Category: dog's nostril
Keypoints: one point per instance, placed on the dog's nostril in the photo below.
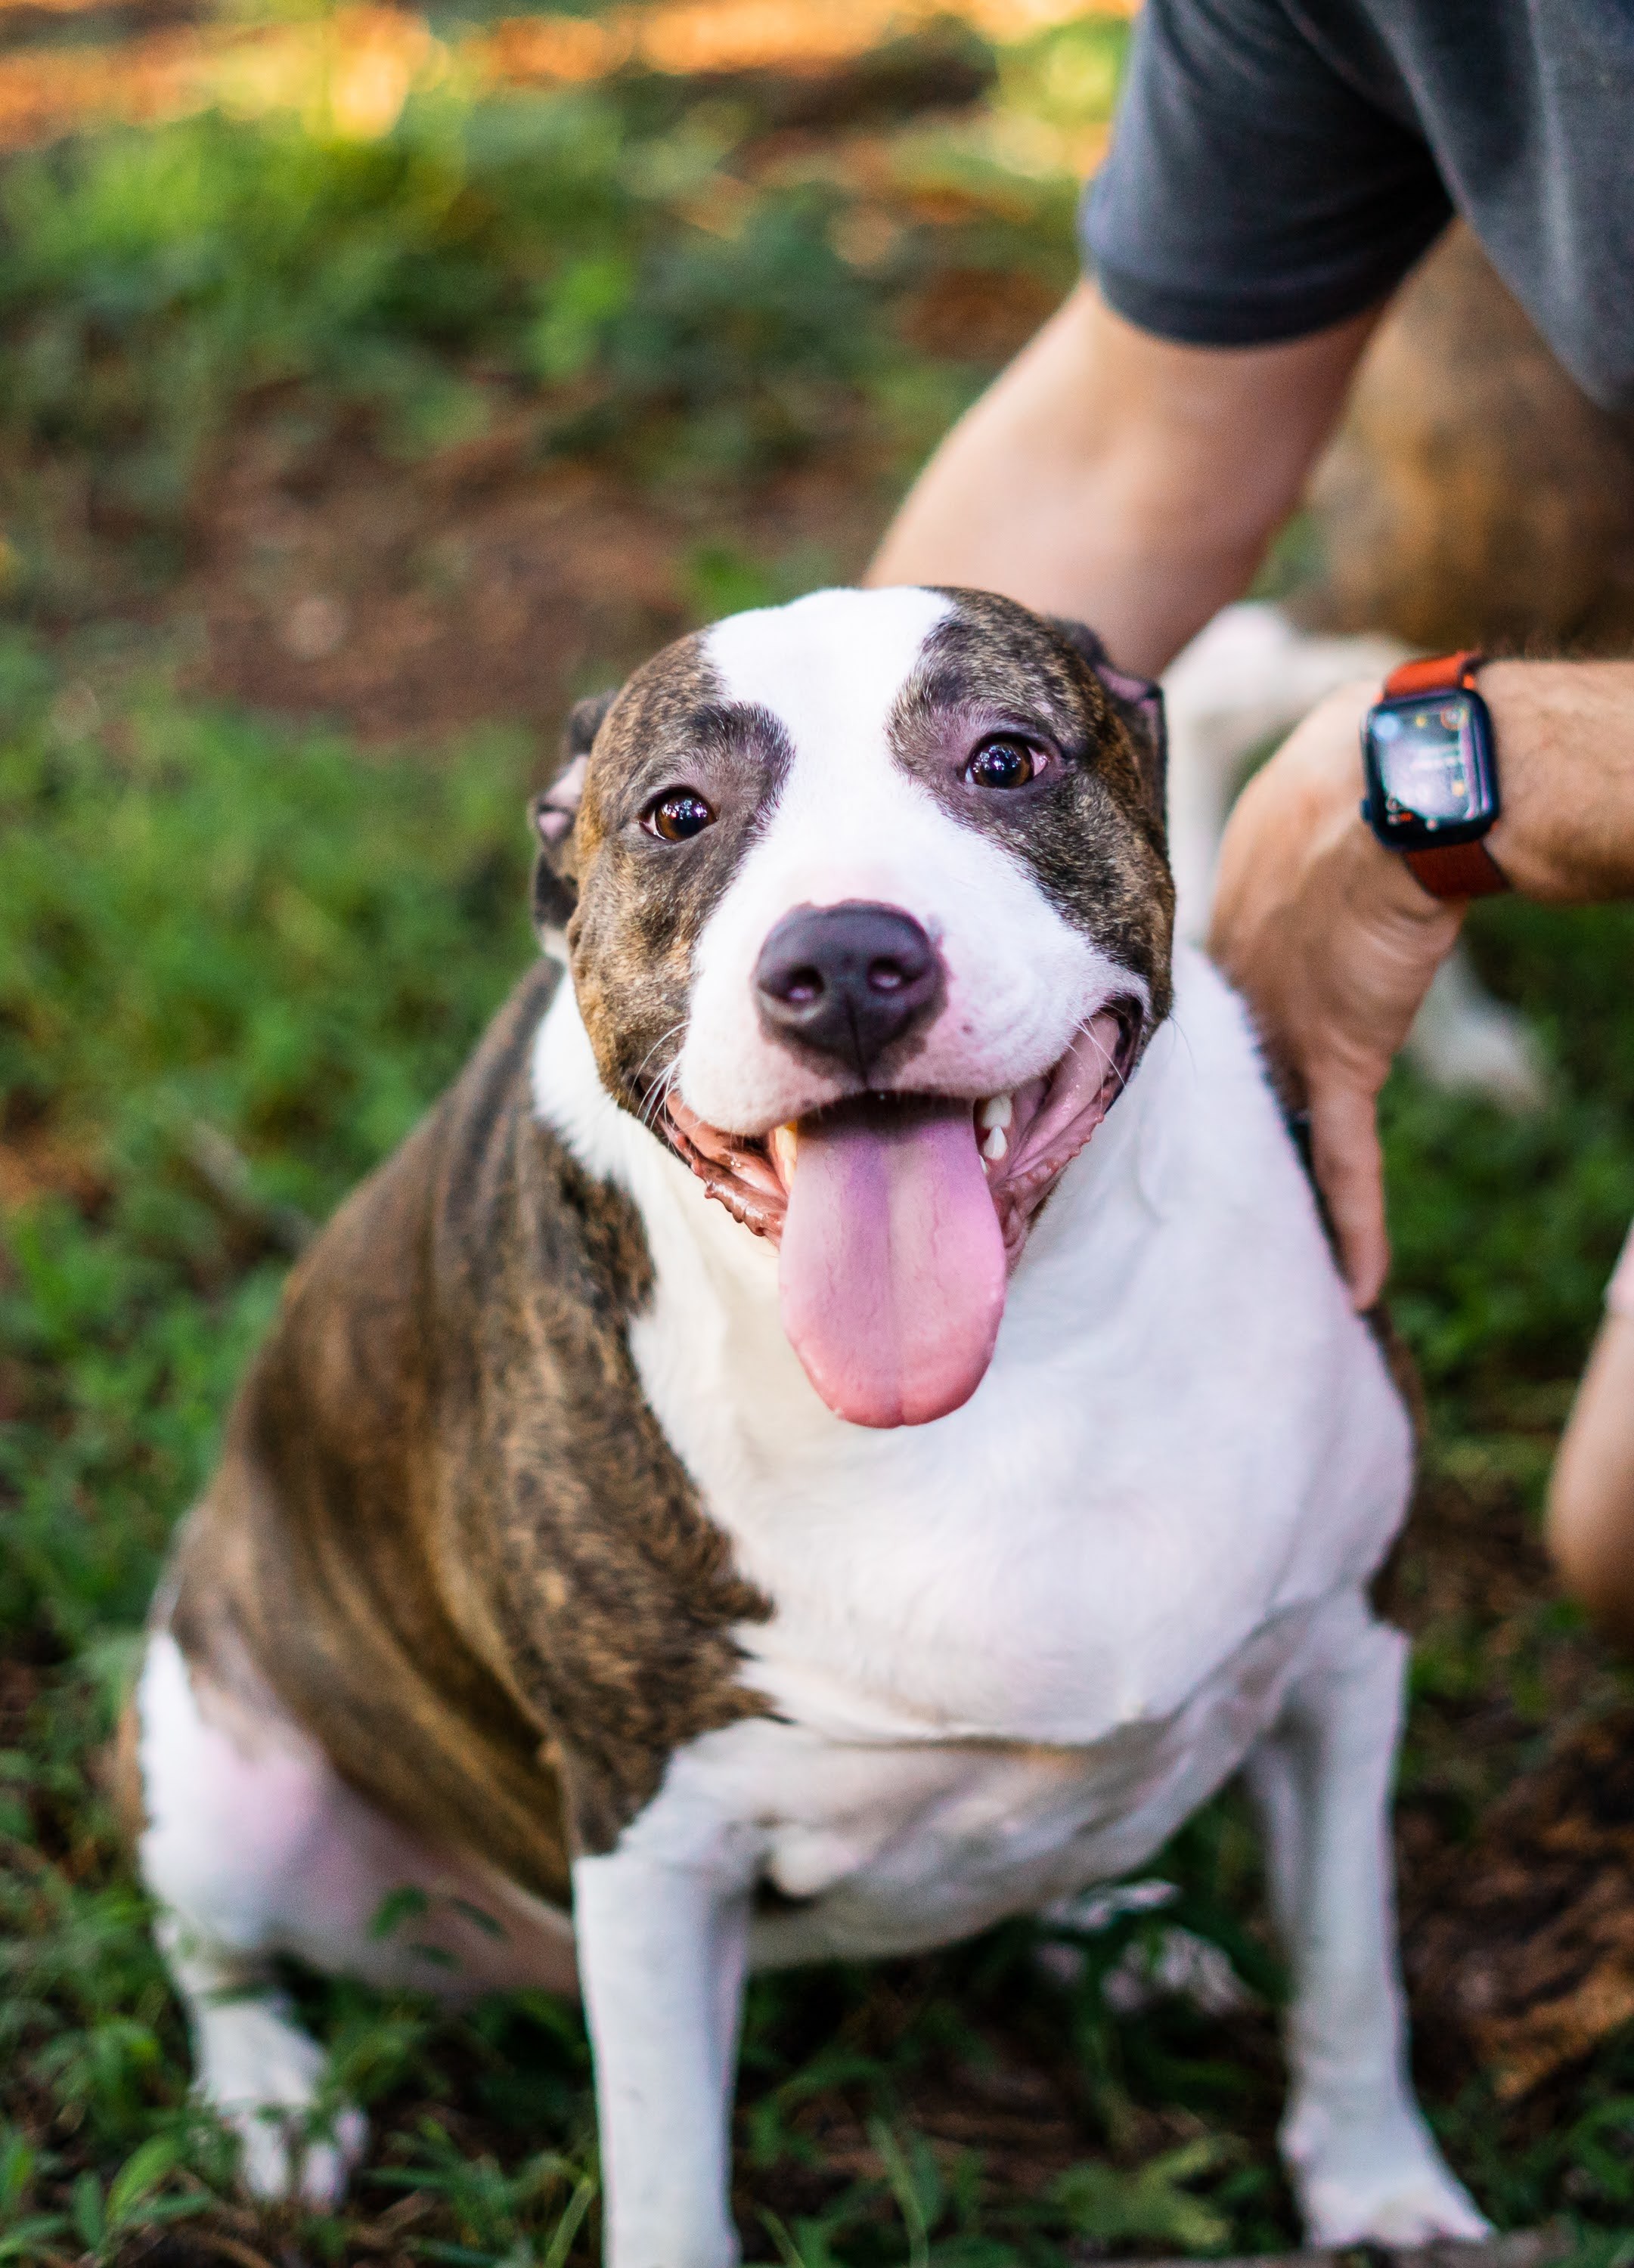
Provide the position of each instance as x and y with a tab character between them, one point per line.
887	975
801	986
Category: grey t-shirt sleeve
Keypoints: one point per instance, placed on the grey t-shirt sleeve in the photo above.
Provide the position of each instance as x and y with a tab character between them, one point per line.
1253	191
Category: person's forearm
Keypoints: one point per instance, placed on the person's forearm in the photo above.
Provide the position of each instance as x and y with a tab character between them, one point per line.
1565	737
1122	479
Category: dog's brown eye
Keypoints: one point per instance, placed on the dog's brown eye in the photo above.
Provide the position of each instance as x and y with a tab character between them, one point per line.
1003	762
679	815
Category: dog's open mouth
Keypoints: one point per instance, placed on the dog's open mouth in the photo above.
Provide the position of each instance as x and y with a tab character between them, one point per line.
900	1216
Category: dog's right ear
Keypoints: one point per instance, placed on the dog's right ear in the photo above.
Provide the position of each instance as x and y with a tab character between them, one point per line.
553	813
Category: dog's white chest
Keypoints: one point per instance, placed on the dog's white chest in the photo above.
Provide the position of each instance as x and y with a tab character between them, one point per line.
880	1848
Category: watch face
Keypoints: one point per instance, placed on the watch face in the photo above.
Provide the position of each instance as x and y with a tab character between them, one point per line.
1431	765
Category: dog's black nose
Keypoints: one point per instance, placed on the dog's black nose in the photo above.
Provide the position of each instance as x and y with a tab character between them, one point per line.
848	980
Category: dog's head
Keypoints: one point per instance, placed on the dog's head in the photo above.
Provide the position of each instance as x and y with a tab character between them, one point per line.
868	919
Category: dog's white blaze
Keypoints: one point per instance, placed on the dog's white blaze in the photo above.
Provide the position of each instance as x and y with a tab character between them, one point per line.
849	824
783	658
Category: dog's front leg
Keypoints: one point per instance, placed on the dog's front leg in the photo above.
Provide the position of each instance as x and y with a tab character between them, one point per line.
662	1954
1358	2149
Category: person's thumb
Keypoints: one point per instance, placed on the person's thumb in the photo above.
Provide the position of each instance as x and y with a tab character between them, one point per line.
1349	1165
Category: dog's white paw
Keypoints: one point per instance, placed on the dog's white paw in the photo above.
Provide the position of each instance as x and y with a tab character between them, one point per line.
279	2162
263	2077
1383	2182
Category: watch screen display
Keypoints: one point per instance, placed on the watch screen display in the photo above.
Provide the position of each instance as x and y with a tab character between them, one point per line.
1425	761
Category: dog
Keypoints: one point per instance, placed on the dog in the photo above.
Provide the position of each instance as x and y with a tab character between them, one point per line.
842	1426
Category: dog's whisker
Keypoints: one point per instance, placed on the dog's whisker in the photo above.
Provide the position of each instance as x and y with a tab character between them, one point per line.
658	1095
658	1092
1105	1053
662	1040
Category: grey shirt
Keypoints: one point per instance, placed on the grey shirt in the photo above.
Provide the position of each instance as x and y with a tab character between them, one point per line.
1279	164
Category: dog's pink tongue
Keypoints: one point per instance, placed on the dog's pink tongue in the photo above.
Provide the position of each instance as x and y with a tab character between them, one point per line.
892	1264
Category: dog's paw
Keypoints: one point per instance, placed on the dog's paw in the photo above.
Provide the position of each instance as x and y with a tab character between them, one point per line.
1383	2184
282	2159
263	2077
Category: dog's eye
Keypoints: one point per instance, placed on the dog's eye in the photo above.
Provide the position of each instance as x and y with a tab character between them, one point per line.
678	815
1004	762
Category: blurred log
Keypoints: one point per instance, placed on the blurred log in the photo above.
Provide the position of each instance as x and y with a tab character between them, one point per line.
943	66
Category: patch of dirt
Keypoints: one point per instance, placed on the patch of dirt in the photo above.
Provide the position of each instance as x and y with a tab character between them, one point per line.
413	602
1523	1953
39	1162
974	314
1515	1836
21	1683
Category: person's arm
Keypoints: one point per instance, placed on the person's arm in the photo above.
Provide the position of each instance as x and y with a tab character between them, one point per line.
1332	942
1588	1522
1122	479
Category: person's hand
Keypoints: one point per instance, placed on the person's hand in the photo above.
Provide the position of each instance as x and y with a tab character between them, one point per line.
1334	945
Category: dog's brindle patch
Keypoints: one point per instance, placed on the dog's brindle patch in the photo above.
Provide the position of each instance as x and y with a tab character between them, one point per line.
642	902
446	1529
1094	836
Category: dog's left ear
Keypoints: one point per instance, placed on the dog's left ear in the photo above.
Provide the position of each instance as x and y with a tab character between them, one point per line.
553	813
1137	700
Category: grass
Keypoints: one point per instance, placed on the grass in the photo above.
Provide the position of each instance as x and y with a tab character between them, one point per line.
238	957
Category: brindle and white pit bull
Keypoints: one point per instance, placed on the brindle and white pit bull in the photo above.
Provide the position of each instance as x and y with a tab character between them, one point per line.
750	1480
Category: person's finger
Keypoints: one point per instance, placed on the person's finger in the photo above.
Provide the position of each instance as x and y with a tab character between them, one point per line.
1349	1165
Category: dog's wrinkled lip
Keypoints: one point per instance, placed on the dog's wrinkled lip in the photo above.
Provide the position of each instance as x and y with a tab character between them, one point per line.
1027	1137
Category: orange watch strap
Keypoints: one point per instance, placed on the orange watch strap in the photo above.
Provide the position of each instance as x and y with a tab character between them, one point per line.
1438	672
1447	869
1457	870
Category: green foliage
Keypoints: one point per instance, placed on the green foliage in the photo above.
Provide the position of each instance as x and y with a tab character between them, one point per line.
609	265
531	2212
205	927
1154	2204
1505	1229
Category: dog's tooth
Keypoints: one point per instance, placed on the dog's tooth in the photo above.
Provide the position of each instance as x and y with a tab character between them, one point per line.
997	1145
998	1110
783	1142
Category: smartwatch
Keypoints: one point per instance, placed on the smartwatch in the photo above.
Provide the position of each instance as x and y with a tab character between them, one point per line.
1431	775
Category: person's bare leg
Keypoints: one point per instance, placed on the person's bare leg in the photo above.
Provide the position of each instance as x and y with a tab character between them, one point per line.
1590	1524
1123	479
